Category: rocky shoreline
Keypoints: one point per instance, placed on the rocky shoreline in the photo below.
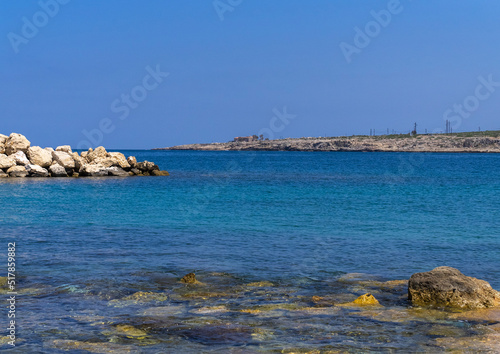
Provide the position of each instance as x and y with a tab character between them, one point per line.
477	142
19	159
353	312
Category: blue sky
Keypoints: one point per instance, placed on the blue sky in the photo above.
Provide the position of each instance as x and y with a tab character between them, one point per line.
66	70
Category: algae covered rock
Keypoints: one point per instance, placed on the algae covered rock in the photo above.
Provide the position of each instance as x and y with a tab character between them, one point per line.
447	287
189	279
366	300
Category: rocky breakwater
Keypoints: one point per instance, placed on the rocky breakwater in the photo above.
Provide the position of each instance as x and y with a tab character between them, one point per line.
19	159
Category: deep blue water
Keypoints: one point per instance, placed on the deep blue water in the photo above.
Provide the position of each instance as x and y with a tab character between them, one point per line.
276	216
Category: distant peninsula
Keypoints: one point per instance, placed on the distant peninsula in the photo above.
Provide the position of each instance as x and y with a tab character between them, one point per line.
479	142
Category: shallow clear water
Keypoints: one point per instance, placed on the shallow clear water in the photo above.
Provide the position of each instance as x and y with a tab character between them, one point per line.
299	220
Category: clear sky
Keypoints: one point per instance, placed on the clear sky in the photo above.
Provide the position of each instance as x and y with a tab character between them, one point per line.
83	72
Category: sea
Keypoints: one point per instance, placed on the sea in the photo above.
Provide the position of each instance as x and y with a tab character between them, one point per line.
281	244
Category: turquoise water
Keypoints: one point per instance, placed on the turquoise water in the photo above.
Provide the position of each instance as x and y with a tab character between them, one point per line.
300	220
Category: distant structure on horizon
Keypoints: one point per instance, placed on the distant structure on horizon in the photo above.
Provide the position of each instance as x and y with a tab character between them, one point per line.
246	139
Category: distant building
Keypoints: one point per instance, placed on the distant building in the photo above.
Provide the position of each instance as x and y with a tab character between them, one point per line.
246	139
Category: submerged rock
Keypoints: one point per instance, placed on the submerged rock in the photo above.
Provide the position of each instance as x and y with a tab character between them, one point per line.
448	288
92	347
366	300
130	331
189	279
160	173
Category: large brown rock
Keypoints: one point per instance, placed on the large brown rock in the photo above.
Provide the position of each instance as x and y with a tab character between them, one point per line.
39	156
446	287
15	143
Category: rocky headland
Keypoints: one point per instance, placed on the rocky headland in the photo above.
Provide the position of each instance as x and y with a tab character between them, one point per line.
479	142
19	159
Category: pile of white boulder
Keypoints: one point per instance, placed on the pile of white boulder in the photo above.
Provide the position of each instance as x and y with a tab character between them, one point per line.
19	159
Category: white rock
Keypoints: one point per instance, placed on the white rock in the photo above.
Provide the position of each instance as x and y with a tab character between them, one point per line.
15	143
20	158
64	159
57	170
39	156
49	149
93	170
37	171
6	161
65	148
117	171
